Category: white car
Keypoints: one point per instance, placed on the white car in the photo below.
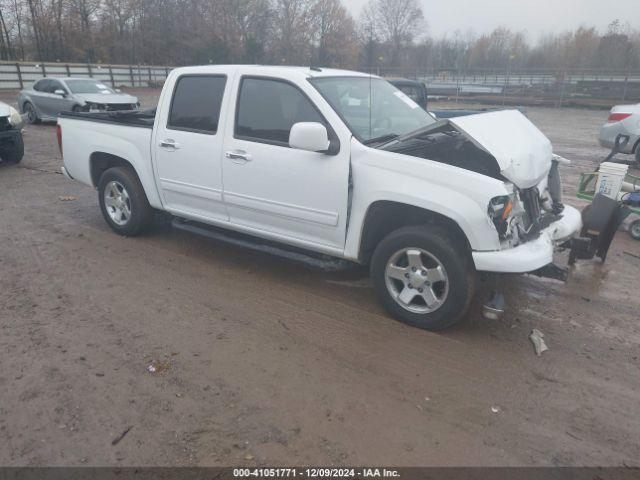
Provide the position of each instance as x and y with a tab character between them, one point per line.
623	120
337	163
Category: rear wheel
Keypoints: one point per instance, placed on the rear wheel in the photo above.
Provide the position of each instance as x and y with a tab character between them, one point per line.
421	278
32	114
123	202
638	156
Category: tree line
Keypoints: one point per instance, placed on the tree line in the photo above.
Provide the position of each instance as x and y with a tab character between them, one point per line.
389	34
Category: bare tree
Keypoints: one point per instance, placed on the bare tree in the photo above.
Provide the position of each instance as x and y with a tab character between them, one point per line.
335	33
394	22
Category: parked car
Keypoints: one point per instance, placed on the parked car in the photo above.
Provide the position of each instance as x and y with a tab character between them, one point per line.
11	143
623	120
50	96
309	161
417	91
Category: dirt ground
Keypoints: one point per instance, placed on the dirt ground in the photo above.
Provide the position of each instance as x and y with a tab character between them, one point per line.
265	362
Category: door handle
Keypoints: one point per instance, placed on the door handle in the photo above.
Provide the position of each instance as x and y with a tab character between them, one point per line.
238	156
169	144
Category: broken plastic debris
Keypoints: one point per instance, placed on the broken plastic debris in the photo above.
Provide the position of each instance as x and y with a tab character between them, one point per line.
158	367
537	338
66	198
496	409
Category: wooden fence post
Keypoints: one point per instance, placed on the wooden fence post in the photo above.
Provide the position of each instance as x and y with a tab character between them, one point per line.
19	76
113	83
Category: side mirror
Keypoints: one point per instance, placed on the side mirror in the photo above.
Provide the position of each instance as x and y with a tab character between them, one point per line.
309	136
60	92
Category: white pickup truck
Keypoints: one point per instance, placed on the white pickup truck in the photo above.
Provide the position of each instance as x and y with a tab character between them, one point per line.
337	163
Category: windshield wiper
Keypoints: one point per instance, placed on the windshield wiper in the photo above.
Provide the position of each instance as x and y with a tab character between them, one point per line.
381	139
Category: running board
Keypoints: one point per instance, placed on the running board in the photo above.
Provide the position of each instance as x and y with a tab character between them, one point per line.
319	261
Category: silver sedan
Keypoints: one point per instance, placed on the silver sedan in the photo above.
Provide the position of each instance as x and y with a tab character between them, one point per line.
623	120
50	96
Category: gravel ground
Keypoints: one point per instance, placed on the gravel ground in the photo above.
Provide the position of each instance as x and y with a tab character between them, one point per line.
266	362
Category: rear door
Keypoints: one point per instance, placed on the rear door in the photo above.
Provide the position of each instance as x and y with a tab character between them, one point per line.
294	195
188	147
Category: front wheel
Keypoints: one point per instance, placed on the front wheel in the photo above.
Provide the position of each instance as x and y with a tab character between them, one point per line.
421	278
16	153
123	202
32	115
634	230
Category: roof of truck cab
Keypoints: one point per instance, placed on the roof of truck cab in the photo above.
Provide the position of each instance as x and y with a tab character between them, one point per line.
306	72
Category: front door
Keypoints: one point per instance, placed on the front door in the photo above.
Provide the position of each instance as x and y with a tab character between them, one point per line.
188	147
51	103
294	195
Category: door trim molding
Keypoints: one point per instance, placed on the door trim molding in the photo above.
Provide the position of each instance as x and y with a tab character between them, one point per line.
189	189
279	209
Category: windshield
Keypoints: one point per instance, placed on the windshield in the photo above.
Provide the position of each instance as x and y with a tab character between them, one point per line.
87	86
373	109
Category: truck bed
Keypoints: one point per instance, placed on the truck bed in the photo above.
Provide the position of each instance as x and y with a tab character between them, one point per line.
134	118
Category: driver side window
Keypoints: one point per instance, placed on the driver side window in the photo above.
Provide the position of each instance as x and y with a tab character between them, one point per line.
55	85
267	109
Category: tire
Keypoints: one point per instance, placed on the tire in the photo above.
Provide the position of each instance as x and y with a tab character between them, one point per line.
76	109
634	230
32	113
15	154
638	155
123	202
443	269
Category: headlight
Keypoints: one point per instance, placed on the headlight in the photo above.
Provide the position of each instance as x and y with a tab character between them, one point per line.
15	119
500	209
94	107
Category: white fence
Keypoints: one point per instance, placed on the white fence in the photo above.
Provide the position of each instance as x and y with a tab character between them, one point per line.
15	76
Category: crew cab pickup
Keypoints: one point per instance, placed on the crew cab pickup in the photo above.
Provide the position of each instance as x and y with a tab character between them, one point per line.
337	163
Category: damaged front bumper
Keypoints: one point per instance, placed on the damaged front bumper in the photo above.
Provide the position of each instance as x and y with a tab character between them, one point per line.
535	254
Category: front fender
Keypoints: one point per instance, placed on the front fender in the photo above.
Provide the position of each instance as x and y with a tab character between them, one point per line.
455	193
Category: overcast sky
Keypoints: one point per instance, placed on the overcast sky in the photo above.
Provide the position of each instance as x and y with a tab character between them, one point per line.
535	16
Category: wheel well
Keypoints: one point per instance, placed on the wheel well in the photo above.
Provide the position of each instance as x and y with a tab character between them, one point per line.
384	217
101	162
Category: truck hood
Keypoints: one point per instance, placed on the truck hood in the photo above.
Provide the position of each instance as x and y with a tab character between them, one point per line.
4	110
511	146
104	98
523	152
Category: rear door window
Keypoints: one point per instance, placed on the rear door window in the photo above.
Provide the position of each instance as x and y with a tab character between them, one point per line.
41	85
267	109
196	103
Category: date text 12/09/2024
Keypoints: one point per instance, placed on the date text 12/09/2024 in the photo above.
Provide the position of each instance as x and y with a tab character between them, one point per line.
315	473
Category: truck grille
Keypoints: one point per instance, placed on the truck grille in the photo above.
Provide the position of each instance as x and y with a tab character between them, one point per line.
531	199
